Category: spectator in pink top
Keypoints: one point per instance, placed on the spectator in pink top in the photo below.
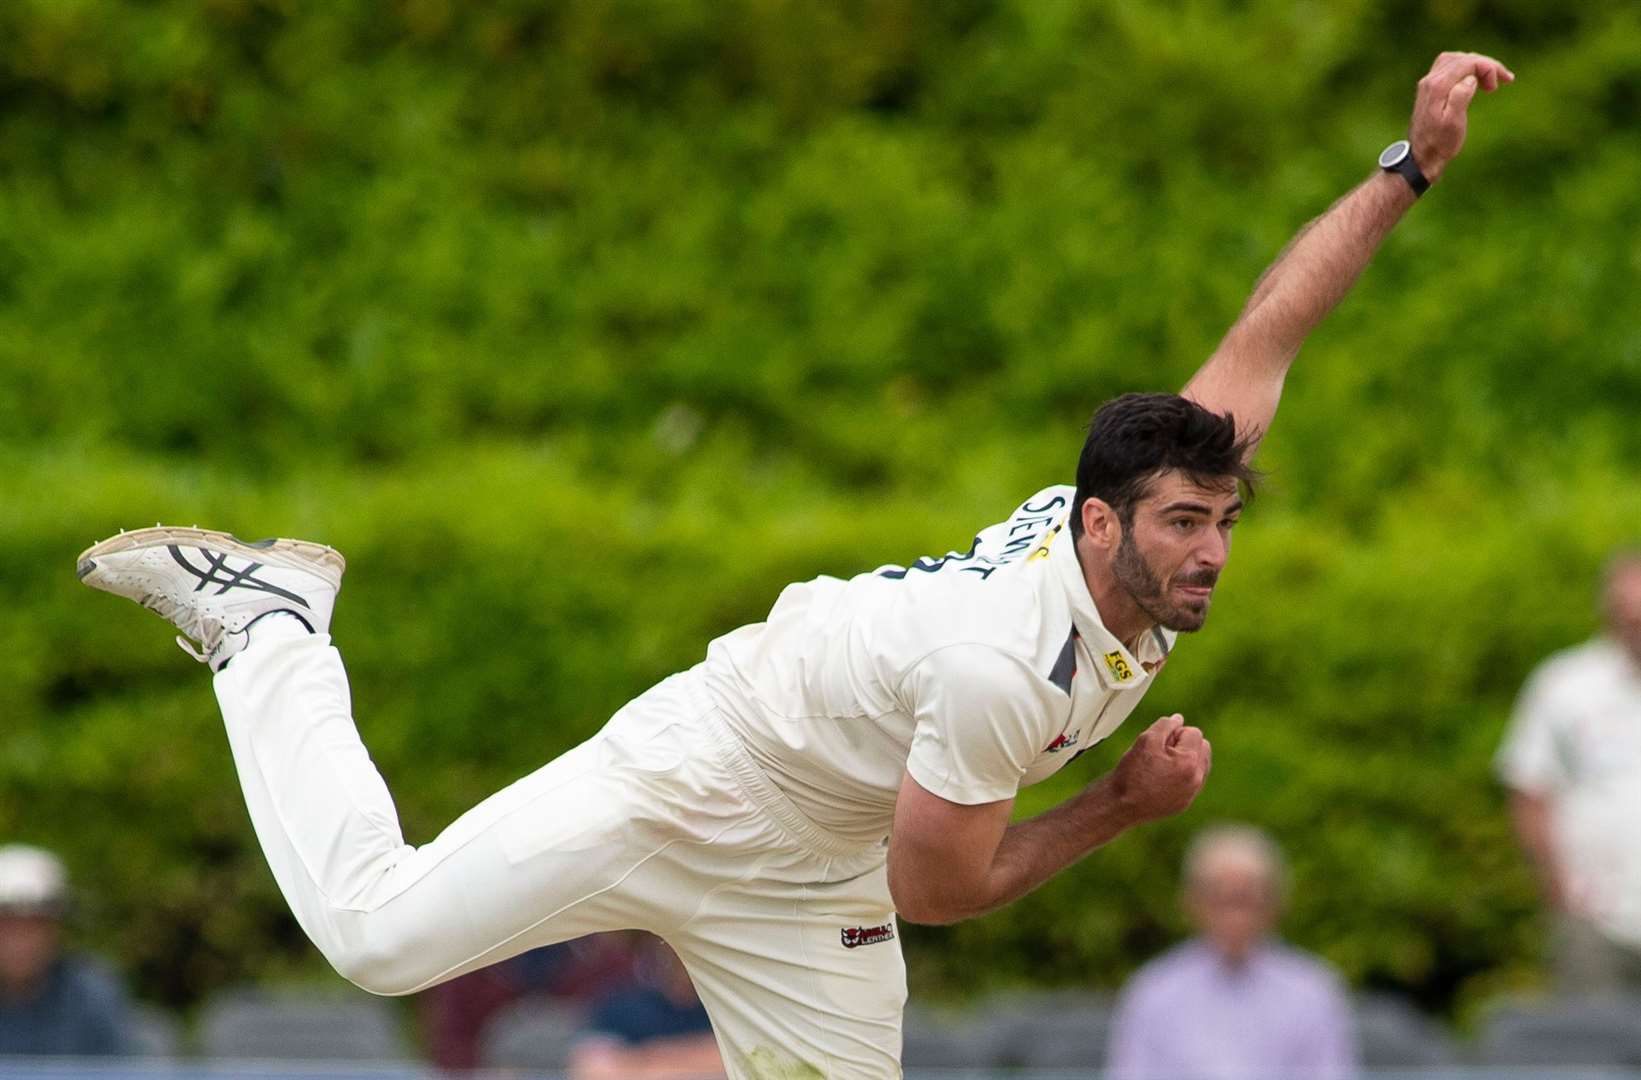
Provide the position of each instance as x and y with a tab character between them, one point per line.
1233	1003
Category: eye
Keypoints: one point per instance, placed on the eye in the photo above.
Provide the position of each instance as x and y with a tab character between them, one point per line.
1183	524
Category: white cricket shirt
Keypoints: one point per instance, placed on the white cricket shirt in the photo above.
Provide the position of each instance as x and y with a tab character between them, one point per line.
1575	738
978	673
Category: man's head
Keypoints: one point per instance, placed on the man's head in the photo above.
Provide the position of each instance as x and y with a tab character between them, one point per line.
33	901
1233	887
1158	488
1621	595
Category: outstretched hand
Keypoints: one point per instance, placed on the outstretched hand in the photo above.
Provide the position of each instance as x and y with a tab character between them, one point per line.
1442	107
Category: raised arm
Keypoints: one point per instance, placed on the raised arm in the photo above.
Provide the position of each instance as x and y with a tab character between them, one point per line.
1314	272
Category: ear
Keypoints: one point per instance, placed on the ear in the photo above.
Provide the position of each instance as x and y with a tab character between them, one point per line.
1100	524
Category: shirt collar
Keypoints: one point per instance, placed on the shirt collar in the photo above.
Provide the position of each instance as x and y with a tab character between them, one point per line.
1116	667
1259	956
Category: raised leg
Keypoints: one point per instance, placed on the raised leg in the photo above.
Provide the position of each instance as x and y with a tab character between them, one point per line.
536	863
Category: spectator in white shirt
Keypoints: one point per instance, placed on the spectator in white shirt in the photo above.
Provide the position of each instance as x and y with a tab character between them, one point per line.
1572	759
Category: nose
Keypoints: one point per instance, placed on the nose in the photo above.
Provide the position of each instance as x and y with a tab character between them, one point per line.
1215	549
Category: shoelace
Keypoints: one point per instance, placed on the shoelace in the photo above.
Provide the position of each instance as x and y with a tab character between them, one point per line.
186	618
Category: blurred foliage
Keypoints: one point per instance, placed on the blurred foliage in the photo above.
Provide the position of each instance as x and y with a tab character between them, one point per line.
584	328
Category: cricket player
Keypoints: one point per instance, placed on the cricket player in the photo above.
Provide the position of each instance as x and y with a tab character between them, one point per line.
855	757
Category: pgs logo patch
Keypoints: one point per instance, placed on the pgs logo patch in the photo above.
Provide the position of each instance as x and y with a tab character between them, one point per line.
1119	667
856	936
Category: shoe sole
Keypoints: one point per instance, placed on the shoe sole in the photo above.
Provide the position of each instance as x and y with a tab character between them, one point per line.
304	555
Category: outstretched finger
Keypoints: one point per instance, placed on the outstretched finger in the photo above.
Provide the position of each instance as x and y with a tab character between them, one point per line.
1487	70
1452	67
1492	73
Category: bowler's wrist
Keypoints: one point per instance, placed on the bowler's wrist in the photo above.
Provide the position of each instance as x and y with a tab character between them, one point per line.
1397	192
1430	160
1116	804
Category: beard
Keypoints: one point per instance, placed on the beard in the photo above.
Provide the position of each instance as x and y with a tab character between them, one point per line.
1145	587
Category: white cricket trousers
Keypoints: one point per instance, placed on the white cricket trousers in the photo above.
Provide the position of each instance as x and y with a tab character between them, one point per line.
660	822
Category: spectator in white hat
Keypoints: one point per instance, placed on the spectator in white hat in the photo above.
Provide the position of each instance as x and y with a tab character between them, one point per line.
51	1002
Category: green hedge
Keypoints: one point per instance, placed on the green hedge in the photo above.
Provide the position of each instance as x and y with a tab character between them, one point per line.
582	329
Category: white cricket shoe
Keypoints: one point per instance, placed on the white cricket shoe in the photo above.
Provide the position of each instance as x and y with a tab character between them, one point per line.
212	585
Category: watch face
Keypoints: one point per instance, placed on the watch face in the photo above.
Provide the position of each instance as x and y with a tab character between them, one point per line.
1393	154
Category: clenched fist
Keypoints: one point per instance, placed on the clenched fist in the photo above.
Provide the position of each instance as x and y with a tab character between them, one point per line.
1441	110
1162	772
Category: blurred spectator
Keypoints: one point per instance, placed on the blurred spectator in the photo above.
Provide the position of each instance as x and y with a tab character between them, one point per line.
1233	1003
587	969
1572	758
656	1028
51	1003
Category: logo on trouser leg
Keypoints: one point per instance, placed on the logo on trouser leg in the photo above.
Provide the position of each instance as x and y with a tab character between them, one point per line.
856	936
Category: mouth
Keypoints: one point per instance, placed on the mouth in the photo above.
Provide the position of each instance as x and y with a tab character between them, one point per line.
1200	593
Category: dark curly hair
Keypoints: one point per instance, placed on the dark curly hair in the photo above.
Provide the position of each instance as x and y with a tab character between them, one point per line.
1134	438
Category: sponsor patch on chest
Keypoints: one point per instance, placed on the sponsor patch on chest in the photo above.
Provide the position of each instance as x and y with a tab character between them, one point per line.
1118	667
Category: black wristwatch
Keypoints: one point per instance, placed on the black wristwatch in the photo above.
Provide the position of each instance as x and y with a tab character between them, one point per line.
1398	158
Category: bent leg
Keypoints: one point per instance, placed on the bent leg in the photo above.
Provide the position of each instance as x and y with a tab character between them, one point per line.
536	863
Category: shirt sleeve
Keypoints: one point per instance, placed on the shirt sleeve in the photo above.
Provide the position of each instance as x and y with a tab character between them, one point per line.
1527	759
982	716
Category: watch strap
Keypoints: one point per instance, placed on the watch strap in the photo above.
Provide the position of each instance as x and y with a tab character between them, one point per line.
1408	168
